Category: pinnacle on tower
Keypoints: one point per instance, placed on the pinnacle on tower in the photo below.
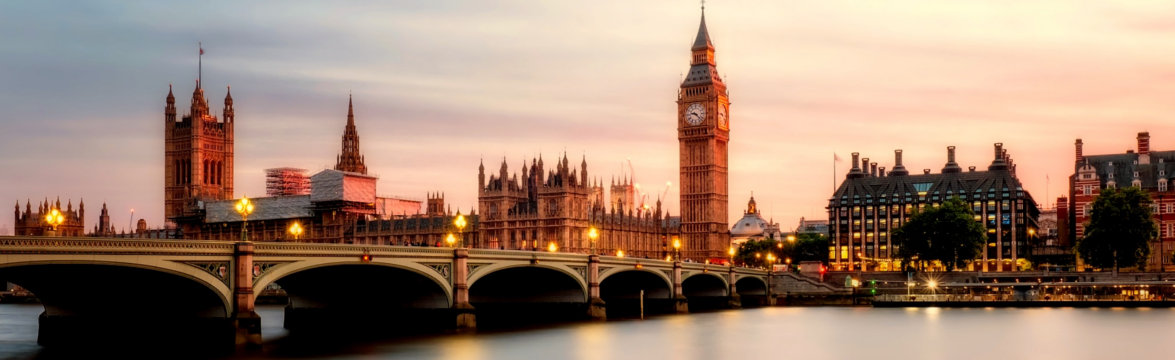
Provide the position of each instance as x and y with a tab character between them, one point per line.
350	160
702	42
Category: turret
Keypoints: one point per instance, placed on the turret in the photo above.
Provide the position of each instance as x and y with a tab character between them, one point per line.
228	105
169	110
855	172
999	163
583	175
481	175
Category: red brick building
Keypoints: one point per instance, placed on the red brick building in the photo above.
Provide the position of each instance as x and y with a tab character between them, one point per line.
1151	171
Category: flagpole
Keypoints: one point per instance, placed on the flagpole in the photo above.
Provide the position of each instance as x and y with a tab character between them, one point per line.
200	64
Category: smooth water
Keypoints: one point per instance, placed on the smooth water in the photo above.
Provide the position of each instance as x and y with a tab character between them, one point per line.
768	333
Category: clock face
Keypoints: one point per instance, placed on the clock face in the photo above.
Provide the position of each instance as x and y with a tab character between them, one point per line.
722	117
695	114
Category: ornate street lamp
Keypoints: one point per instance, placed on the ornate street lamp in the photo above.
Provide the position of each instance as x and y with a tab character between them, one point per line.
459	222
54	218
451	240
296	230
730	251
677	248
593	234
244	207
619	253
551	247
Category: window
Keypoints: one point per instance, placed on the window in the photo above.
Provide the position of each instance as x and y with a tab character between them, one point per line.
1086	190
1162	184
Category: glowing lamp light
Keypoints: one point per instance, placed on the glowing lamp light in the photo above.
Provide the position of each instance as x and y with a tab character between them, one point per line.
365	257
676	243
460	221
296	230
450	239
730	251
593	233
619	253
551	247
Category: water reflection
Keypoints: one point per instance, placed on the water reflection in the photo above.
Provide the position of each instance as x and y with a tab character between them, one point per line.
768	333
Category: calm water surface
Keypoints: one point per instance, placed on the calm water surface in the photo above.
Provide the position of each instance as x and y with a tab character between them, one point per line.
771	333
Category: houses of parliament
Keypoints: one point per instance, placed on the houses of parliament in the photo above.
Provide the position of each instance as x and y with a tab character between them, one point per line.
539	207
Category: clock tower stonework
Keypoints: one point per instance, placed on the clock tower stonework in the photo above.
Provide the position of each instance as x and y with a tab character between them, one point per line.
703	131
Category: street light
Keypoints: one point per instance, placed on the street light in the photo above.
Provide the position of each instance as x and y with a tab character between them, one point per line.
770	262
244	207
460	223
932	285
619	253
730	251
55	218
296	230
791	238
552	247
593	234
677	248
451	240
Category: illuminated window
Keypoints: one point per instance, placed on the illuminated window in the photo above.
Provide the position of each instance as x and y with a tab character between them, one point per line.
856	235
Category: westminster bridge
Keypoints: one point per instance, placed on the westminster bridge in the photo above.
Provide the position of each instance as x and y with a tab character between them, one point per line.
95	288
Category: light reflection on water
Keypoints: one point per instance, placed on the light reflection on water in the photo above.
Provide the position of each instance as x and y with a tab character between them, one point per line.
801	333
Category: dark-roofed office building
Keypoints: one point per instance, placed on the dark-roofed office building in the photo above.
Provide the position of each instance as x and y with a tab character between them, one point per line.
1151	171
870	204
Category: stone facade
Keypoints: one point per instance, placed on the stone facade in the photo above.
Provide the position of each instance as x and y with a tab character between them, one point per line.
30	223
198	153
703	131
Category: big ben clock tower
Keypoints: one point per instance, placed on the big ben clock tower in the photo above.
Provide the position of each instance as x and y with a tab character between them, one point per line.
703	131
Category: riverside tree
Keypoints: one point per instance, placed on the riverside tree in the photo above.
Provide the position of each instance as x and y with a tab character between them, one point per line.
947	233
1120	229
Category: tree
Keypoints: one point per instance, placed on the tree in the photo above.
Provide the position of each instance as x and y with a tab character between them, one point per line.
747	251
947	233
1120	229
805	247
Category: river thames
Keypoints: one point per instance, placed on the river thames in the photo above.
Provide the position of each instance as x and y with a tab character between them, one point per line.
767	333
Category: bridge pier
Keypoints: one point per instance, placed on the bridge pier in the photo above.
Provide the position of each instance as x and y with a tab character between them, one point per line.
464	311
596	309
735	301
246	322
680	303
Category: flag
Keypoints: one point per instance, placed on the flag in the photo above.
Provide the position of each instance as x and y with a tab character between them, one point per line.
835	157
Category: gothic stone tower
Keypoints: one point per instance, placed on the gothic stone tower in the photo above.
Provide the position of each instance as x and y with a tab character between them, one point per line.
703	131
198	155
350	160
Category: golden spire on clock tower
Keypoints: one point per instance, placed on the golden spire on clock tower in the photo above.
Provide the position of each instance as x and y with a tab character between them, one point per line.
703	132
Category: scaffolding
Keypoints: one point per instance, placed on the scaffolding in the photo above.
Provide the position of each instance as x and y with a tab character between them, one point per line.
286	181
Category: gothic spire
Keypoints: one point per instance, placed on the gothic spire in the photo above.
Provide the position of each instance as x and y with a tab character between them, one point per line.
702	42
350	160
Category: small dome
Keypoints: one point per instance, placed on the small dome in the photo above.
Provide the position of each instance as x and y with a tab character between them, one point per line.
750	225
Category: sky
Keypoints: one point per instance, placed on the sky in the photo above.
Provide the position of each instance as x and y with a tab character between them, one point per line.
440	85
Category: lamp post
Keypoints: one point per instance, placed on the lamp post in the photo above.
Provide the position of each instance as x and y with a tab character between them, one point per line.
54	218
459	222
244	207
730	252
619	253
296	230
677	248
551	247
593	234
450	240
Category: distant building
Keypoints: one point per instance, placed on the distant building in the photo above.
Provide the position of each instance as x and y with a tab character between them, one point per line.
1151	171
285	181
539	208
198	156
812	227
752	226
870	204
30	223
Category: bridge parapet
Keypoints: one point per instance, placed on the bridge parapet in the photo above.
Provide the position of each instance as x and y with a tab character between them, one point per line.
42	245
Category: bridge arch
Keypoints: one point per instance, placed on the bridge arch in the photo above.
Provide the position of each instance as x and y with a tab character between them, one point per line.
280	271
489	270
705	284
751	285
12	272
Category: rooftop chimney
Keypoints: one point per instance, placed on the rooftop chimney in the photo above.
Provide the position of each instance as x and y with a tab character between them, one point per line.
855	172
873	169
1078	144
898	168
1144	143
865	165
881	171
925	171
951	166
971	169
998	163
